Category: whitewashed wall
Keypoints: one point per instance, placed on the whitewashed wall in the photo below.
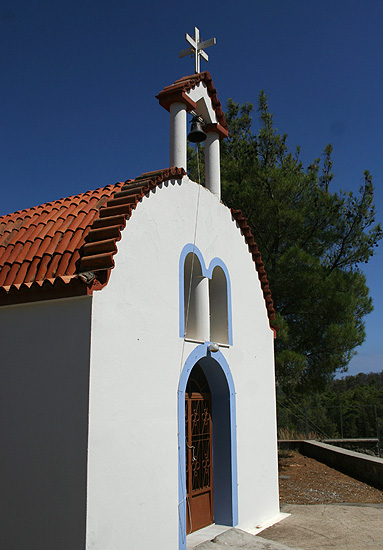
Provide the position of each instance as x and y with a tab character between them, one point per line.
137	357
44	374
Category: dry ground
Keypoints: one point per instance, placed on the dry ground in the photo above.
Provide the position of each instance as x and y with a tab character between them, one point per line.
303	480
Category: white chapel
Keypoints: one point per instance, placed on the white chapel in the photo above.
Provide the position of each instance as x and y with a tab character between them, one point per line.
137	357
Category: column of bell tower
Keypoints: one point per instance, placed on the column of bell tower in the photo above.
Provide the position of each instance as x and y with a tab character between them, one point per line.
195	94
178	131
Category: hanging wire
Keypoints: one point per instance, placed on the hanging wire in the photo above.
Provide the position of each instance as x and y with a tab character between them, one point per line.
298	417
192	265
182	466
310	422
302	416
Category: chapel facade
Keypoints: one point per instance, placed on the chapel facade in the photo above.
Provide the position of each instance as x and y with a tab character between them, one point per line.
137	333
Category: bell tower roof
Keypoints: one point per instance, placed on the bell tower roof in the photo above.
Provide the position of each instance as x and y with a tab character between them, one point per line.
198	93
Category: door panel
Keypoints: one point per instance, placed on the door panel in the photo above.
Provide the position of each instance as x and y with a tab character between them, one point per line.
199	470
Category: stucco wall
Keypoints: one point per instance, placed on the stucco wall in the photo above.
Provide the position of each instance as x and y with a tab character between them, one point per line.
137	357
44	373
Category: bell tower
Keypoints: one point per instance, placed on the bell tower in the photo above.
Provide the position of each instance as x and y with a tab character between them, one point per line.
196	94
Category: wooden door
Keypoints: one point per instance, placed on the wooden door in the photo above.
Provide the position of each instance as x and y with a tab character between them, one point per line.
199	463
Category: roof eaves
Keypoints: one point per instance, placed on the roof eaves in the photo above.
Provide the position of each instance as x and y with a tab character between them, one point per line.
48	289
187	83
41	244
259	265
96	255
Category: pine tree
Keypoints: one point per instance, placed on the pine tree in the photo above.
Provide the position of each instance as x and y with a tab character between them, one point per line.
313	242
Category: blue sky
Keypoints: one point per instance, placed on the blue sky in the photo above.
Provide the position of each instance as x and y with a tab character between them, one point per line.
79	79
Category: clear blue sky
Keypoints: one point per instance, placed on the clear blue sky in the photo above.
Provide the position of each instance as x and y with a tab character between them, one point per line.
79	79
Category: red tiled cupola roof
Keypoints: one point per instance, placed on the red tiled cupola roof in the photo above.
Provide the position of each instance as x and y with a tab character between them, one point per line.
66	247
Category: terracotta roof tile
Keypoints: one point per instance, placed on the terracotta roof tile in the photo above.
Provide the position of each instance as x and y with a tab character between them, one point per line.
63	238
66	247
113	217
53	242
63	264
75	258
33	249
256	255
21	273
4	273
32	270
42	269
12	274
39	243
52	267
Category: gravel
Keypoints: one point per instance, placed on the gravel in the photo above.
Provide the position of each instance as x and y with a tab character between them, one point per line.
303	480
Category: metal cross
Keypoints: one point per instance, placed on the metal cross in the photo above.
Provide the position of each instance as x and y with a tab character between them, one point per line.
197	48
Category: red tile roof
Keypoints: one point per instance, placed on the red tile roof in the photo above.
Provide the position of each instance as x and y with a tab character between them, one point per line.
66	247
42	243
58	243
256	255
175	92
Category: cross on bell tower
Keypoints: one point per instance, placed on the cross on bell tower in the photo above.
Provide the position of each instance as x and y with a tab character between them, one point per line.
195	94
197	48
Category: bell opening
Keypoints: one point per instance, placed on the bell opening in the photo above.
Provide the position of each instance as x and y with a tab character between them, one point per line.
196	134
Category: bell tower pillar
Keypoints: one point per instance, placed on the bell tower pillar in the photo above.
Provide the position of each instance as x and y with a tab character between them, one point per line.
178	126
178	103
212	160
196	95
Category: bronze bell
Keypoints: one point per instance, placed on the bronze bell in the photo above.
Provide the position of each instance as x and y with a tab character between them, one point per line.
196	134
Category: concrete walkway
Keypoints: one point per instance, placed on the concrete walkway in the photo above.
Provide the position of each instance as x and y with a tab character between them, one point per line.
235	539
316	527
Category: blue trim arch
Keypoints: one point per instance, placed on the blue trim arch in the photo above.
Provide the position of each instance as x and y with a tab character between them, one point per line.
206	272
221	383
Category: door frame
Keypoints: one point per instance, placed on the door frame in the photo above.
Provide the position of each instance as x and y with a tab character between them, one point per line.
221	383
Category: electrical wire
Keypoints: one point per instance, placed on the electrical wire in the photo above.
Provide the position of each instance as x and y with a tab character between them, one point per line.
182	466
303	417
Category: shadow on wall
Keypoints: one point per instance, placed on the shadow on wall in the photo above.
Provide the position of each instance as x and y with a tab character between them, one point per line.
44	424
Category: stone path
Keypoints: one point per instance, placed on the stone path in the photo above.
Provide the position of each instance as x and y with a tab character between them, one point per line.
331	526
235	539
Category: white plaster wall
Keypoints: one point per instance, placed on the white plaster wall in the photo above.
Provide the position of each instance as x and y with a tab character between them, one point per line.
44	378
137	357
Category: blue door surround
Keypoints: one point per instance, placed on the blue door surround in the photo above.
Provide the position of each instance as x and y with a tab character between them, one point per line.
221	383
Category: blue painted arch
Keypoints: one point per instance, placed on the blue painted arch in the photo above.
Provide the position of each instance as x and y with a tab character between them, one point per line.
221	383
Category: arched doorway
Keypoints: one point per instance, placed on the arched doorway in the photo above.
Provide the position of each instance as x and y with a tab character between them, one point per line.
224	438
199	445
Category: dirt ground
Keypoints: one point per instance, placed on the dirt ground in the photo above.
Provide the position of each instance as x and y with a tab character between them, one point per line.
303	480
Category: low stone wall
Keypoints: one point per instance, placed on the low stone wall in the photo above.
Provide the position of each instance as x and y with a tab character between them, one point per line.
363	467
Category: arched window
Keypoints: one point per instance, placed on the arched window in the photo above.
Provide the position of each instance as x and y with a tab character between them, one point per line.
218	293
205	298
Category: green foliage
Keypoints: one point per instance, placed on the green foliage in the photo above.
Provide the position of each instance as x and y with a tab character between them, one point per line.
349	408
312	242
196	162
